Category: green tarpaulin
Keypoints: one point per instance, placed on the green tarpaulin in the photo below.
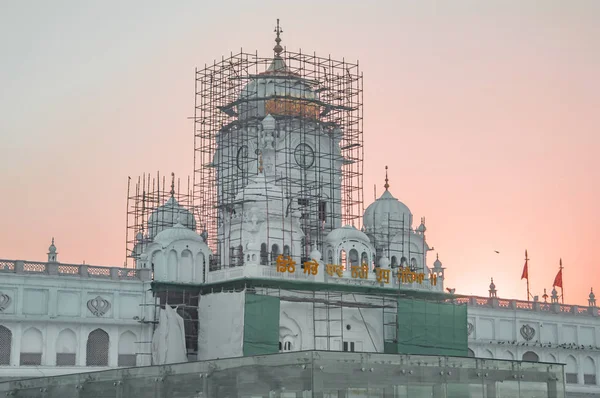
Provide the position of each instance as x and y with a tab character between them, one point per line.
261	325
430	328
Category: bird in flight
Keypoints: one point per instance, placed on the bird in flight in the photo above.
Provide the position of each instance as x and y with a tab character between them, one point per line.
497	252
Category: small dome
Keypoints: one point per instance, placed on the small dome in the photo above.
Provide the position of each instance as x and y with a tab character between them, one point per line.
387	211
52	248
492	285
384	262
175	233
421	228
592	295
437	263
346	232
168	215
315	255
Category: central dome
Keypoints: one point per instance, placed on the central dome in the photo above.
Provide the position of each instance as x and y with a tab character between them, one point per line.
278	91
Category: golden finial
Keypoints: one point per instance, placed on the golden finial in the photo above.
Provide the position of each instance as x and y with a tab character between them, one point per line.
260	161
172	184
387	185
278	49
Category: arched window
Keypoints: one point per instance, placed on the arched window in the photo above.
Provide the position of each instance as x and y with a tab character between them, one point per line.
531	356
471	353
403	262
97	348
353	257
127	349
66	348
31	347
172	266
571	370
5	345
240	255
589	371
394	262
413	264
287	346
185	268
330	257
280	346
343	258
286	250
264	256
274	252
364	258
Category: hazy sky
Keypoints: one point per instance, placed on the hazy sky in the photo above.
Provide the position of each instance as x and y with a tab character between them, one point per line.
487	113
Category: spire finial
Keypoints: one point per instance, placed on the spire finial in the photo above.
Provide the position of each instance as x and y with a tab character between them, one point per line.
387	185
260	161
437	256
278	49
53	240
172	184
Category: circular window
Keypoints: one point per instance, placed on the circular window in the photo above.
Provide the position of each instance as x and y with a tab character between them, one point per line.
304	156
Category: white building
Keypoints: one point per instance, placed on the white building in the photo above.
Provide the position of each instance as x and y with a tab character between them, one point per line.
337	291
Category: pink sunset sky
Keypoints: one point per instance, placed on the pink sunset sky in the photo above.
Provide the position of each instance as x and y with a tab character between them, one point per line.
487	113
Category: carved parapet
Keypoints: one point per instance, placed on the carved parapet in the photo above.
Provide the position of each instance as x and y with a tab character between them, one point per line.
19	266
114	273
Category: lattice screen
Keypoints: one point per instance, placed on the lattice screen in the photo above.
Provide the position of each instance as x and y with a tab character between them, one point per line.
65	359
97	348
5	345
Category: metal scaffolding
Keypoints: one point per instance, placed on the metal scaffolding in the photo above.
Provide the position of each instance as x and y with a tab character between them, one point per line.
315	105
152	207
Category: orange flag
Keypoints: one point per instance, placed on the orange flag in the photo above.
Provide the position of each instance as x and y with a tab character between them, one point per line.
558	278
525	274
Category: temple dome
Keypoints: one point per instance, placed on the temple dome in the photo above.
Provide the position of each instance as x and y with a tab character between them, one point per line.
387	211
175	233
277	91
347	232
168	215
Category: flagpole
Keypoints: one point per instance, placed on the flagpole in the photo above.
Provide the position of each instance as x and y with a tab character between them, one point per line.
527	265
562	291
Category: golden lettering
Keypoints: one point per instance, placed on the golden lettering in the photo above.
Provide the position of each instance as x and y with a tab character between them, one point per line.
285	263
311	267
382	274
329	268
433	279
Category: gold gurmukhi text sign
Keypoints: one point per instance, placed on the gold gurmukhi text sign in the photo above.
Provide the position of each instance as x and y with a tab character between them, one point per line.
404	275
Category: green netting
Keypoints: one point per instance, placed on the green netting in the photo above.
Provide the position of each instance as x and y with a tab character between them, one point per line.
261	325
431	328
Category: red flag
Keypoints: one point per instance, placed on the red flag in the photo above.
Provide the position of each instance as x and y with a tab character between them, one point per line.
525	274
558	278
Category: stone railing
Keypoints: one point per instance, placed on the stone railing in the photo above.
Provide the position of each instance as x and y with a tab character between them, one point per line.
73	270
556	308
